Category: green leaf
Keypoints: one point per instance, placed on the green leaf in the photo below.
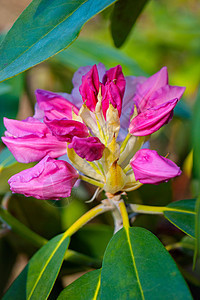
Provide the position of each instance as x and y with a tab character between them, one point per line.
84	288
182	215
42	30
137	266
123	18
87	52
9	100
37	279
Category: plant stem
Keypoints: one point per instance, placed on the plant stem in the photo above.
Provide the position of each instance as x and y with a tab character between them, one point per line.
124	214
145	209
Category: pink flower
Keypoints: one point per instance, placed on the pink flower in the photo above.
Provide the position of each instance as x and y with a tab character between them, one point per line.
30	140
149	167
49	179
112	89
53	106
155	101
90	128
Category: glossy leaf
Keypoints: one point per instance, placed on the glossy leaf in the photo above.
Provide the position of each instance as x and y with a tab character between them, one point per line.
38	277
85	52
42	30
137	266
123	18
84	288
182	215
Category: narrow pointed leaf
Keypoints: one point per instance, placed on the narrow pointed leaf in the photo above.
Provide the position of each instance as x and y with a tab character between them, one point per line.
182	215
42	30
123	18
137	266
84	288
37	279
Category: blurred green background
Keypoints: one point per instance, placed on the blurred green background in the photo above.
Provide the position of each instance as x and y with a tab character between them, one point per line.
167	33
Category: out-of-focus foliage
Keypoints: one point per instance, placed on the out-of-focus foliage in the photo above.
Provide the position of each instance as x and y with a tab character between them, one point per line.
163	35
124	15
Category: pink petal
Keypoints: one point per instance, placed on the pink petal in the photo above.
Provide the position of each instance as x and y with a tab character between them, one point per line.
89	148
116	76
54	106
152	119
165	94
113	93
152	84
77	80
65	130
33	148
151	168
49	179
30	140
90	87
26	127
127	105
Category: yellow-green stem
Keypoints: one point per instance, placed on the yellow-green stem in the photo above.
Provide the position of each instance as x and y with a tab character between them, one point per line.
122	208
123	145
92	181
97	210
145	209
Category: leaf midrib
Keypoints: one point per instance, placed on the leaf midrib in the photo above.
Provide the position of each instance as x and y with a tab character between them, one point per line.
133	259
46	264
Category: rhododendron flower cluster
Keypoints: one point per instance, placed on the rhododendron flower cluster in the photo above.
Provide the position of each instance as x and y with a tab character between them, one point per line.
98	133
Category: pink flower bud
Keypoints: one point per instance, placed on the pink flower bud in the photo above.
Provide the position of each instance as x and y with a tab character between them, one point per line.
149	167
49	179
30	140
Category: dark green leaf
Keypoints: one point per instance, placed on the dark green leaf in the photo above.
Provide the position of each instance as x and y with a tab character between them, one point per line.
9	100
37	279
137	266
42	30
87	52
182	215
123	18
6	265
84	288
